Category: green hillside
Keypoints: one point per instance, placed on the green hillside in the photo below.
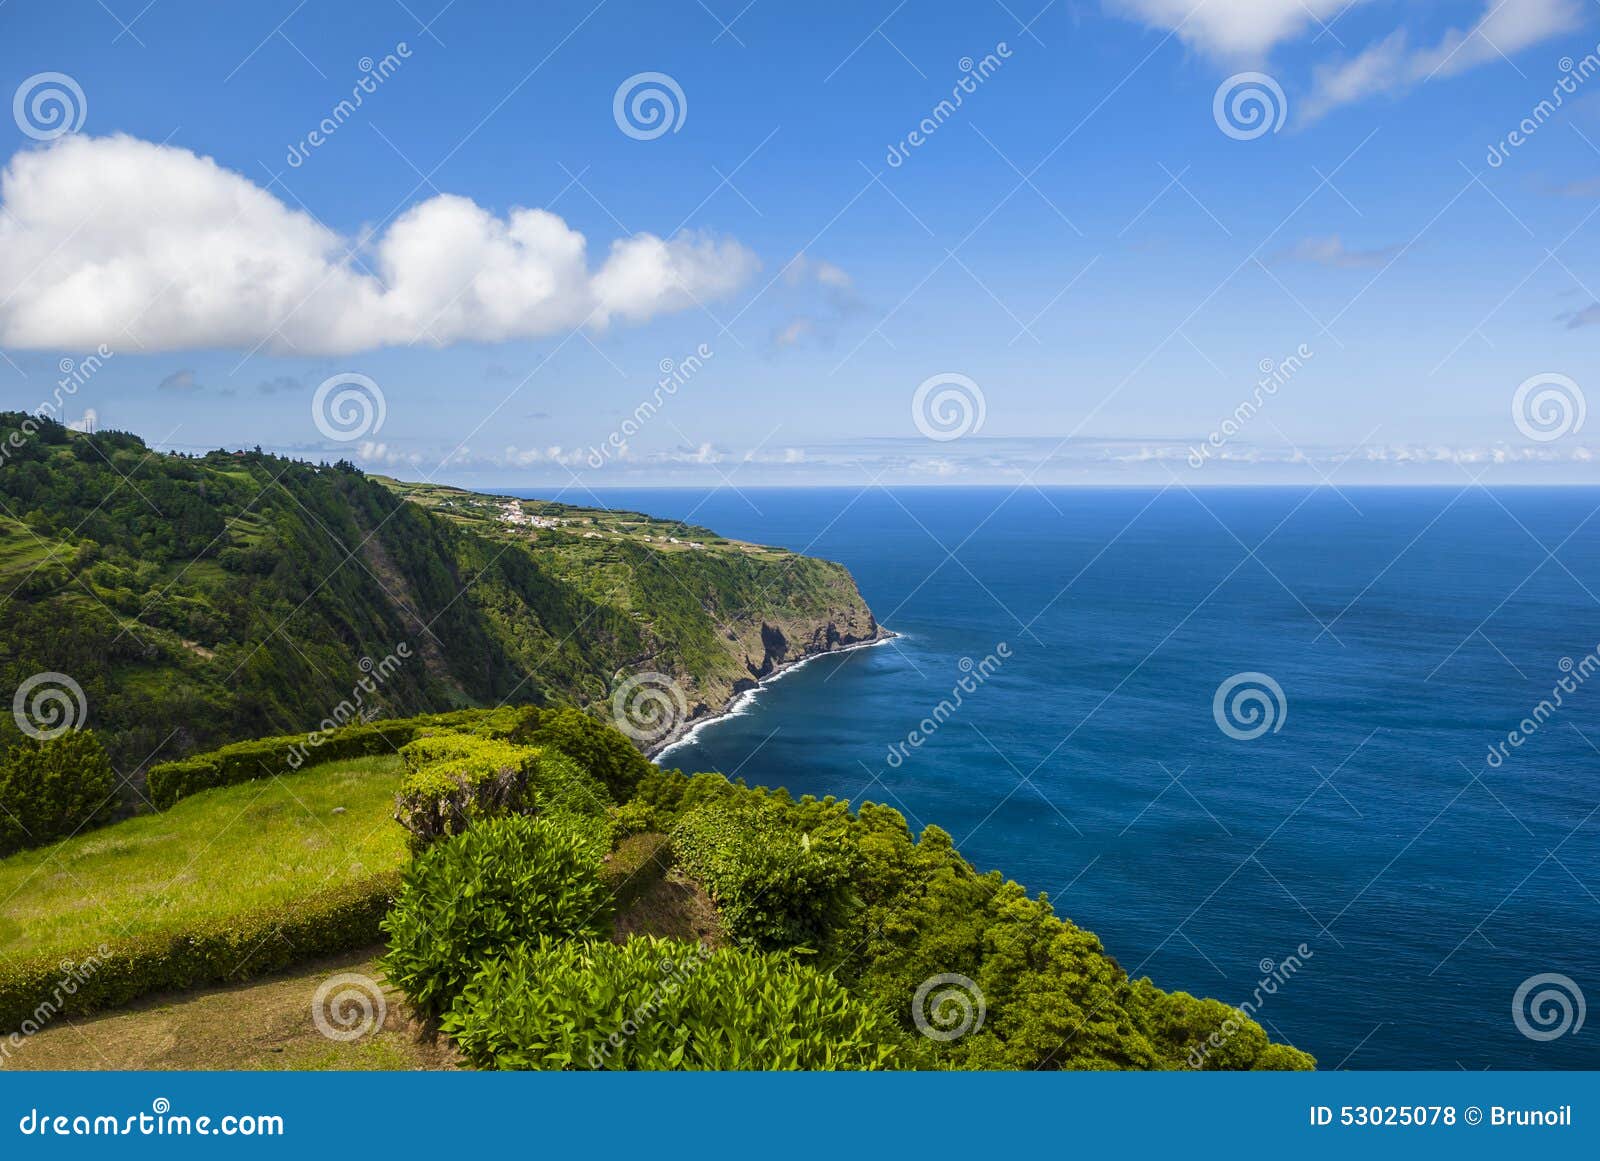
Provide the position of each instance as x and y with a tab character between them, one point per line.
200	599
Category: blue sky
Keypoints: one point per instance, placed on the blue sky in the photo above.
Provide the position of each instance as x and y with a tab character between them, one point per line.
1081	244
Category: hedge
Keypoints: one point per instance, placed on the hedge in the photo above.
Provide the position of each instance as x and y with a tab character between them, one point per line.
36	989
168	782
493	887
52	788
775	888
454	779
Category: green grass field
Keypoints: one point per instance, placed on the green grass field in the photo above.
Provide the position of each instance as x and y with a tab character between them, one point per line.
260	844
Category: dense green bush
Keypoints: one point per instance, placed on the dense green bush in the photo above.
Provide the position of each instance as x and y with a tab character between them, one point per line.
53	788
36	989
167	782
776	886
561	785
662	1004
453	780
1051	998
600	749
493	887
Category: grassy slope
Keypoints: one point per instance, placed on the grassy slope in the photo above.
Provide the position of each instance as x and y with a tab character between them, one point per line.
258	844
267	1024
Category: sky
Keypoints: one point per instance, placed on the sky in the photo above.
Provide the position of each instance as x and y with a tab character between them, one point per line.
737	242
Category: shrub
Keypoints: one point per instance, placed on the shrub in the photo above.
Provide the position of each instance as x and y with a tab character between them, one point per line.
455	779
560	785
661	1004
36	989
483	892
605	752
49	789
775	887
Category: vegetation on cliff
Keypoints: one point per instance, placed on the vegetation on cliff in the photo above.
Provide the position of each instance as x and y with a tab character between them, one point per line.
196	600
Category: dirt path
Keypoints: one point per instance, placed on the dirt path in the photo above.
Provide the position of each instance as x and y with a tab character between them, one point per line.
268	1024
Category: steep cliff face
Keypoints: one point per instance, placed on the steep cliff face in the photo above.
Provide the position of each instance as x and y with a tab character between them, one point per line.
238	594
824	613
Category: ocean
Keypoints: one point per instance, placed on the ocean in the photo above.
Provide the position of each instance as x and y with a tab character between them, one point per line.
1349	840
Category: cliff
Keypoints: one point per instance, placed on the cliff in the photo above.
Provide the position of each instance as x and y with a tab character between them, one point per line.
199	599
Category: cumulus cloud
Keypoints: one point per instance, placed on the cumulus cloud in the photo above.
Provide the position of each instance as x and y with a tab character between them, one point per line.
792	333
803	268
1393	65
120	240
1233	28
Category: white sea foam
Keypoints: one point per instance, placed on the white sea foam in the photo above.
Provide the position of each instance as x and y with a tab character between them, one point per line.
741	704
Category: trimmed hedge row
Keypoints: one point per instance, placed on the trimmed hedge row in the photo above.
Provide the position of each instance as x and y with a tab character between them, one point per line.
37	989
453	780
168	782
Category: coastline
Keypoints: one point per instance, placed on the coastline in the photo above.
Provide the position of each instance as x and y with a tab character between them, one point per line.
746	697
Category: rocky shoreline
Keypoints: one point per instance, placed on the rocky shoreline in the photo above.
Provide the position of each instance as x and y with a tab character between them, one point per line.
826	640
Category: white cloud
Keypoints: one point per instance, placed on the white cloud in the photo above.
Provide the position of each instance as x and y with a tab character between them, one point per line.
127	242
1233	28
1248	30
802	268
1331	251
791	334
1392	65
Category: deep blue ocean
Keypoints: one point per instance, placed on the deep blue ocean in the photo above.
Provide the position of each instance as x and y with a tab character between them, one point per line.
1408	629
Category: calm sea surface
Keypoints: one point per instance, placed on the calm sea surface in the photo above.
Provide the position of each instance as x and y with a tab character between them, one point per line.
1408	630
